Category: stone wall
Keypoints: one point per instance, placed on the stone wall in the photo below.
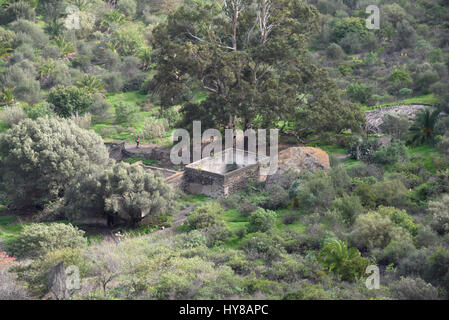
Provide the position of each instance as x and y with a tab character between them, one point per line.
374	118
198	181
238	179
176	180
116	150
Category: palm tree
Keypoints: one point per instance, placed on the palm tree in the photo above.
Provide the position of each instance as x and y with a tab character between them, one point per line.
422	130
66	47
7	97
91	83
145	57
338	258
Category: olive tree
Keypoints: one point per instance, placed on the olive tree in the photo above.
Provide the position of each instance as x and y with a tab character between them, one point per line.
37	239
40	158
124	192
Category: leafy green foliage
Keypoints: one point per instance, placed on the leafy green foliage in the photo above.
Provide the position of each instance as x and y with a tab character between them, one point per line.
69	101
346	262
44	151
391	154
38	239
125	192
261	220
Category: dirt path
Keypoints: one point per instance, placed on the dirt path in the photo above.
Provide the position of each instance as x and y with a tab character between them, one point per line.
143	148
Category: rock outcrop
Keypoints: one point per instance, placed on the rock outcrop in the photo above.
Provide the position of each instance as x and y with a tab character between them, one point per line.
303	159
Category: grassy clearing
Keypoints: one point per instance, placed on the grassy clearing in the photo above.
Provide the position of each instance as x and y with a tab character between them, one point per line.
427	100
235	221
428	156
338	152
145	161
9	227
109	130
133	97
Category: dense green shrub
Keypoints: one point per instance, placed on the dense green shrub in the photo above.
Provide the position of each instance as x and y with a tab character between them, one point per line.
262	220
127	40
262	246
414	289
32	31
20	77
335	52
315	192
125	112
395	152
374	230
276	197
359	92
154	128
124	192
100	106
37	239
366	171
440	214
6	40
113	82
349	208
391	193
127	7
53	72
205	215
16	10
395	251
399	218
44	151
12	115
39	110
424	81
69	101
396	125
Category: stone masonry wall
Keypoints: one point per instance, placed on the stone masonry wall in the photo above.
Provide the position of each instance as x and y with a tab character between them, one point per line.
238	179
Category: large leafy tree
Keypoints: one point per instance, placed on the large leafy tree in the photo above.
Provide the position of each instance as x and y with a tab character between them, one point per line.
124	192
40	158
250	57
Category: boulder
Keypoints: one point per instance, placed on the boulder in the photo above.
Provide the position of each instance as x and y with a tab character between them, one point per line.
302	159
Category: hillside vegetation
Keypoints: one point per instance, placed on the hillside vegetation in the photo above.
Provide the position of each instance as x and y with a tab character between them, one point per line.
77	73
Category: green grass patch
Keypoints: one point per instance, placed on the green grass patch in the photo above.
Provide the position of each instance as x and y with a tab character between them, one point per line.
9	228
133	97
426	155
3	127
281	226
194	199
427	100
145	161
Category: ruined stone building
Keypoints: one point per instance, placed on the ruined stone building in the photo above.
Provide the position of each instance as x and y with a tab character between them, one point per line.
215	178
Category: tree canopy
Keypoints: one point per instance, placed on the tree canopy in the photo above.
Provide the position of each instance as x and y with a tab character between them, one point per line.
39	158
250	57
